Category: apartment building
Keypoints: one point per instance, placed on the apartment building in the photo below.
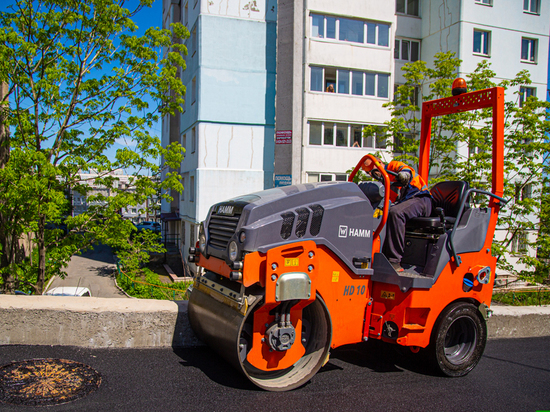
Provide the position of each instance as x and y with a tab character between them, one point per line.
228	120
278	91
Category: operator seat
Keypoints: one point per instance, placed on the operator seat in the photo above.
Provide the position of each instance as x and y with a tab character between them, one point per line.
447	198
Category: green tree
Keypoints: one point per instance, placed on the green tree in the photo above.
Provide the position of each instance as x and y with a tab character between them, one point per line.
79	79
461	146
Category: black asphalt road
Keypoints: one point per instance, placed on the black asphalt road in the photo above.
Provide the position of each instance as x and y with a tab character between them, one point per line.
513	375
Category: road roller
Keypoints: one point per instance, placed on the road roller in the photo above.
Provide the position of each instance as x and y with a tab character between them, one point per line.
289	273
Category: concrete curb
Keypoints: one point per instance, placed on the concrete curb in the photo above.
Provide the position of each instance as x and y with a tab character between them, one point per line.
146	323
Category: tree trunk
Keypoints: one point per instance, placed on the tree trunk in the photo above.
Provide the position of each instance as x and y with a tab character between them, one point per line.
41	245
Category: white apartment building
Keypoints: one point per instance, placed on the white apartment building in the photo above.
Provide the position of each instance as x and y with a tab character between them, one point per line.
336	64
138	213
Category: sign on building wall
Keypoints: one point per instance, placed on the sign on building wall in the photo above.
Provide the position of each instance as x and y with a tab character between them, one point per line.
283	137
283	180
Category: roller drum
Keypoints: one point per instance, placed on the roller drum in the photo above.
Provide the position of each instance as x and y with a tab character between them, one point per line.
224	329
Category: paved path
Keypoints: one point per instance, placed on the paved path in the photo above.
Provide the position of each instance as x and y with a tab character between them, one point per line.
94	269
513	375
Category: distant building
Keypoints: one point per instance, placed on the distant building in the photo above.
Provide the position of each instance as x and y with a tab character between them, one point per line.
139	213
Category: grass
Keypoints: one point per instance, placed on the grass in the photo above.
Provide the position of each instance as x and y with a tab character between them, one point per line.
523	297
146	284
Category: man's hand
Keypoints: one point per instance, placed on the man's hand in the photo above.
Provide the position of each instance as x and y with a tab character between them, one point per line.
403	178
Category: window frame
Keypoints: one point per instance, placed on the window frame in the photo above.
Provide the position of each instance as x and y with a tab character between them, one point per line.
347	79
482	52
529	4
406	8
329	133
321	25
532	50
523	96
400	48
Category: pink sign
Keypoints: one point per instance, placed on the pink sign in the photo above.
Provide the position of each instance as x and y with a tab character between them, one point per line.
283	137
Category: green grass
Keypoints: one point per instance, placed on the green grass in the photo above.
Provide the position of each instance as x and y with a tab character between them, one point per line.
523	298
146	284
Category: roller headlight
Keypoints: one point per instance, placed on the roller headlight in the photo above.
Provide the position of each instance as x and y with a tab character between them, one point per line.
233	251
202	240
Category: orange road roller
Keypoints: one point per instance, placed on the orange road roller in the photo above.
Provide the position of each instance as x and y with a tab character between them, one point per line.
291	272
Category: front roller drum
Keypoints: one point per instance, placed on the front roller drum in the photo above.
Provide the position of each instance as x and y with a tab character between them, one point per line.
230	333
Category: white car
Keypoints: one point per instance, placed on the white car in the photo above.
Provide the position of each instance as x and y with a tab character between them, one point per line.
68	291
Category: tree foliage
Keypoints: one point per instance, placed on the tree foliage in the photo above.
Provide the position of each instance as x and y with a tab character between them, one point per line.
461	149
79	79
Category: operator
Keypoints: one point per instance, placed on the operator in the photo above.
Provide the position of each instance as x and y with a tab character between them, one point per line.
411	198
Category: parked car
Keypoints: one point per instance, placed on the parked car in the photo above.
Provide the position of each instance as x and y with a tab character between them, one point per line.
154	226
68	291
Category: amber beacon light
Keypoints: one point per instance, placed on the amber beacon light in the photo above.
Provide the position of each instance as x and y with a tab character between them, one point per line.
459	86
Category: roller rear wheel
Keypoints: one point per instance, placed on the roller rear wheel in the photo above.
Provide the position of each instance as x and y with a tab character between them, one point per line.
458	340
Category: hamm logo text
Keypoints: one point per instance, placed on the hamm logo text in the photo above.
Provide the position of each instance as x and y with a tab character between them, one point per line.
344	231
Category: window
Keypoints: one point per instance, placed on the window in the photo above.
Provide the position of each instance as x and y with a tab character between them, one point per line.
344	81
341	135
186	14
408	50
193	140
330	80
326	177
184	188
383	80
531	6
329	134
409	7
317	26
192	190
344	135
486	2
349	30
529	50
193	41
481	42
525	93
316	79
331	28
315	133
184	141
519	243
414	96
357	83
194	90
378	34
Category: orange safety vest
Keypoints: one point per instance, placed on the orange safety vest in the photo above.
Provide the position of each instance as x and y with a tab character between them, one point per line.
416	187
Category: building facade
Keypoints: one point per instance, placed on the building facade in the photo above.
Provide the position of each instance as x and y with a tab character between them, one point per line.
278	92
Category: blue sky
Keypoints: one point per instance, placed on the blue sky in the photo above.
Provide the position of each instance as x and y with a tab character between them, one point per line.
147	17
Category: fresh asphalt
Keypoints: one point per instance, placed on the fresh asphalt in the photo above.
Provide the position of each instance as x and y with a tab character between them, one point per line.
513	375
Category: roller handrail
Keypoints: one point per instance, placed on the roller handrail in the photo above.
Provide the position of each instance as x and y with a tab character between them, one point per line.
385	175
459	214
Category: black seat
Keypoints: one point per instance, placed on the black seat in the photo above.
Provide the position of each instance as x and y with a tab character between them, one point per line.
447	198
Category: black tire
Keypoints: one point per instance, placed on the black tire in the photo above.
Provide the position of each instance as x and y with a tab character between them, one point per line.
458	340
